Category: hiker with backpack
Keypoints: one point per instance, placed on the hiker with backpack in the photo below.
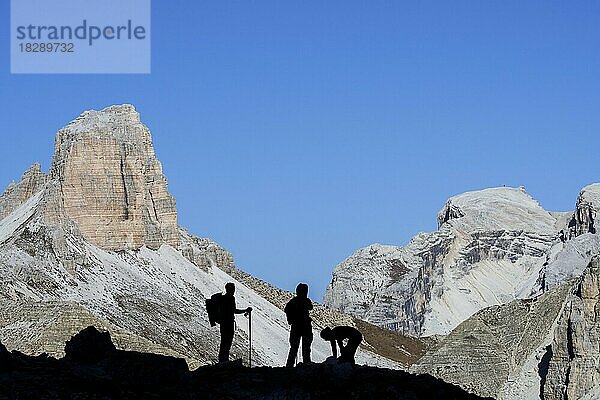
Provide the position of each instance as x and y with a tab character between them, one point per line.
221	309
339	334
297	313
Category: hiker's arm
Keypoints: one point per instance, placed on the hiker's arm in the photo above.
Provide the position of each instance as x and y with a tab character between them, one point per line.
333	348
245	310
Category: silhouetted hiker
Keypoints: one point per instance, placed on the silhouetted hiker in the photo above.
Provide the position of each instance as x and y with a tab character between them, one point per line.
339	334
226	311
296	311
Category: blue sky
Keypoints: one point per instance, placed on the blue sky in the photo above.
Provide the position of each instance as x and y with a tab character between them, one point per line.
294	133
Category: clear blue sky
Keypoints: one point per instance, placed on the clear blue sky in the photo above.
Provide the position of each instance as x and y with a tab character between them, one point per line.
294	133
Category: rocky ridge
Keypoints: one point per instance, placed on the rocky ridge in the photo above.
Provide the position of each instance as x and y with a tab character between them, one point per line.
32	181
588	203
547	347
94	368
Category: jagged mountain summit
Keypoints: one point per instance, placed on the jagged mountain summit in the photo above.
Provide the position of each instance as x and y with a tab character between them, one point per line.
96	242
492	246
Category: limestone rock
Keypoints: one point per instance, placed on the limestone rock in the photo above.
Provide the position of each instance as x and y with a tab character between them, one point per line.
568	260
588	204
491	348
571	367
204	253
497	209
547	347
31	182
110	183
490	248
376	263
35	327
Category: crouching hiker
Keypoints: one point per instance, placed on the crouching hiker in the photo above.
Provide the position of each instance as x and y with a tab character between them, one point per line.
297	313
339	334
221	310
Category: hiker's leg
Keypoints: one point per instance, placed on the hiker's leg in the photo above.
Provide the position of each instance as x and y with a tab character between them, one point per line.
294	344
226	341
307	339
351	348
344	356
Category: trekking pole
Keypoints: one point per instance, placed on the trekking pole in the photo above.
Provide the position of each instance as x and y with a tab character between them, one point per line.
250	338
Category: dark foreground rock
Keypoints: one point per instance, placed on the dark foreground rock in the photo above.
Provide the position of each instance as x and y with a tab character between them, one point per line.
89	346
94	369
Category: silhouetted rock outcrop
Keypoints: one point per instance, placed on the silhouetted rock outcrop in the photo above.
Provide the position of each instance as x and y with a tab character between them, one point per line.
94	369
89	346
4	357
319	381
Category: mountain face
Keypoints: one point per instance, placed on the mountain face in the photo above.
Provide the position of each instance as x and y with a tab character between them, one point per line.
588	204
96	242
514	288
33	180
110	183
492	246
546	347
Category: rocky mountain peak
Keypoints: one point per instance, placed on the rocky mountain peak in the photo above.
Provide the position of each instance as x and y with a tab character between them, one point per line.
492	246
110	183
588	204
496	209
17	193
120	123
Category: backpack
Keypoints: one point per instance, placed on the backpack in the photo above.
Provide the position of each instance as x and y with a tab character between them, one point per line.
213	308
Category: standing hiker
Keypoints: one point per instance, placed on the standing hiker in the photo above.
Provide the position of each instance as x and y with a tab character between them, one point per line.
339	334
221	309
296	311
